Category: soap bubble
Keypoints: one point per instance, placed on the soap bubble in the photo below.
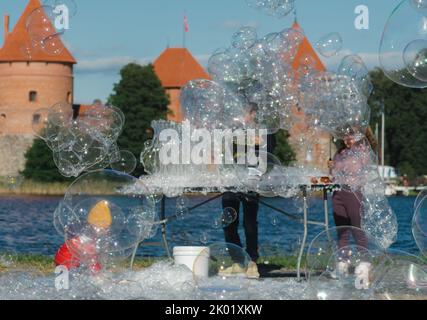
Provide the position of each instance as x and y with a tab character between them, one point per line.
421	195
126	162
219	272
182	207
354	67
41	120
105	226
420	5
244	38
84	139
335	104
228	217
405	279
415	58
207	104
262	175
344	263
330	44
277	8
204	238
11	182
44	31
419	226
403	43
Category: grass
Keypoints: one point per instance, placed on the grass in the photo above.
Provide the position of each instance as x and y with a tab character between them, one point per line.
30	187
46	266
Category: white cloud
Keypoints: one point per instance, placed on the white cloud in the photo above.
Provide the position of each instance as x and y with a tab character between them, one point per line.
371	59
107	65
234	24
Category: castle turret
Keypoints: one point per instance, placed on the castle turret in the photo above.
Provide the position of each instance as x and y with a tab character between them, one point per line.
28	82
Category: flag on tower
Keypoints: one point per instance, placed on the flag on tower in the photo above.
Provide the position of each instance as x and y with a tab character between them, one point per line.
186	26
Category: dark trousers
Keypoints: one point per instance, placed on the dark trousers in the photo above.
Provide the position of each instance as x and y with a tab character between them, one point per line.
347	213
250	222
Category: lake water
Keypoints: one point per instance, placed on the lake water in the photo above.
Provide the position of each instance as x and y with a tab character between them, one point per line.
26	226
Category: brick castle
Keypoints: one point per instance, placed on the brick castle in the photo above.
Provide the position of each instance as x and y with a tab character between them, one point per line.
31	81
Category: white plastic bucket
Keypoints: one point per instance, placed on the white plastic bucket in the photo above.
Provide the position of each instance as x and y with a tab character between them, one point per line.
188	255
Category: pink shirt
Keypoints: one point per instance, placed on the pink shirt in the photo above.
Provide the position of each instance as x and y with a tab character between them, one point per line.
351	166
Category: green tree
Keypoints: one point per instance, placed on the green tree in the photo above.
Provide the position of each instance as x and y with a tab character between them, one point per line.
406	123
39	164
283	149
141	97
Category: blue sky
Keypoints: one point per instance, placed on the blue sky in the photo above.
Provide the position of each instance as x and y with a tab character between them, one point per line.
106	34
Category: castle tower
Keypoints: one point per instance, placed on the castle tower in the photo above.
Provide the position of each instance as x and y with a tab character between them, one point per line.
27	83
175	67
316	153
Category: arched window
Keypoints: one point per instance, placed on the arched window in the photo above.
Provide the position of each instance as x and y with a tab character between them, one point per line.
33	96
69	97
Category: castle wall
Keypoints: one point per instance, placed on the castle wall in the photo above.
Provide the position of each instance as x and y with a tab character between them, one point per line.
53	82
13	148
175	105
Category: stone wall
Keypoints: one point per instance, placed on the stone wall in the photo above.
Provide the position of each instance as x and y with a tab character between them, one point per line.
12	151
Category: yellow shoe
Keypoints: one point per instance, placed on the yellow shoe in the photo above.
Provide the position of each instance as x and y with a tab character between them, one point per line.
252	272
235	269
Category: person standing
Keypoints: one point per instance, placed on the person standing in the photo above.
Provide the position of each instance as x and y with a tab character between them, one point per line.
347	169
250	204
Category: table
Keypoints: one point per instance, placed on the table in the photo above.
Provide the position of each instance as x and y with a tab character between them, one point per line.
324	188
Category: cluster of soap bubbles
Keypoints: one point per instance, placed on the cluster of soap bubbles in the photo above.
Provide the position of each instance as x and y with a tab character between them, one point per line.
259	73
276	8
347	263
338	102
403	49
46	25
104	230
85	142
356	169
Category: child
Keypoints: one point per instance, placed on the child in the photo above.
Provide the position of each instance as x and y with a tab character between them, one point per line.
348	169
82	249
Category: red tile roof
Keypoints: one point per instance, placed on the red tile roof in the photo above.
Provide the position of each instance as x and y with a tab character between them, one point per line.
306	49
176	66
16	42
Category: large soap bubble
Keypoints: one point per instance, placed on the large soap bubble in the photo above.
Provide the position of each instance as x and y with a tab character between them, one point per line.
415	58
419	226
220	271
329	45
101	216
263	175
403	45
405	279
45	26
344	263
421	195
